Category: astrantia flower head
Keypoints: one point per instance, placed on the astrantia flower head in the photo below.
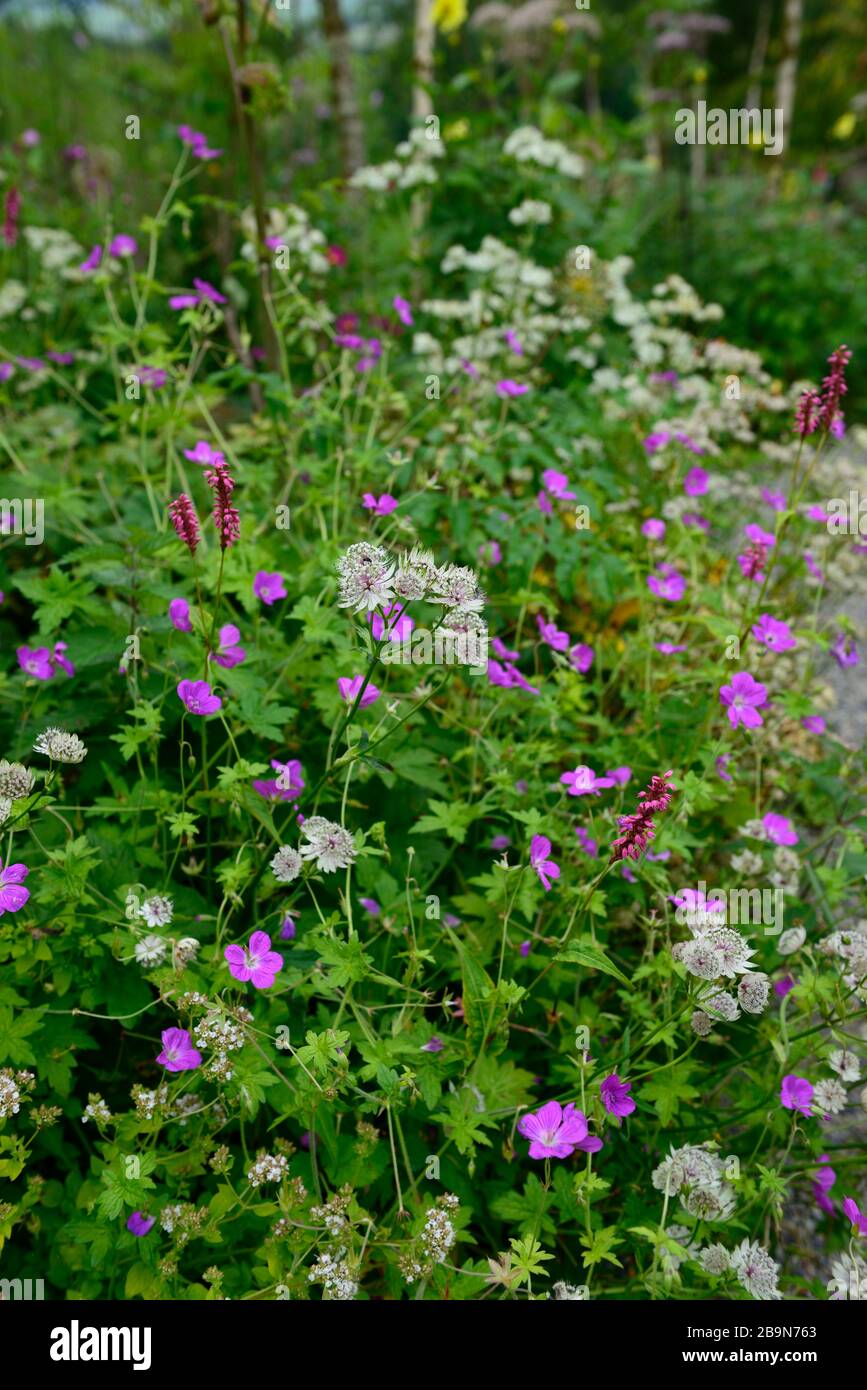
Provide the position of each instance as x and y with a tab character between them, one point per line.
366	577
157	911
829	1096
715	1259
755	1270
416	573
286	864
328	843
15	780
457	586
60	746
754	992
151	950
556	1131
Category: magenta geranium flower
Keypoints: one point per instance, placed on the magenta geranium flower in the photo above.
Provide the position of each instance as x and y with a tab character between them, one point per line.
59	658
139	1224
584	782
556	1131
203	453
615	1096
256	962
557	484
179	615
35	661
92	262
776	500
197	142
123	245
695	482
508	388
774	634
813	723
796	1093
586	841
269	587
822	1184
667	584
391	623
758	535
743	698
198	697
722	764
12	895
349	687
229	653
403	310
380	506
514	342
843	651
540	848
178	1053
780	829
371	906
653	529
433	1044
581	657
855	1215
669	648
549	633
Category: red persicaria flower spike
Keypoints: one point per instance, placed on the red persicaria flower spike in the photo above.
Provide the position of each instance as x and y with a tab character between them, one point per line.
834	386
185	521
225	514
807	413
638	830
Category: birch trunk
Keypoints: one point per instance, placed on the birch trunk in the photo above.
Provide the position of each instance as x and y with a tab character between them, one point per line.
349	125
788	69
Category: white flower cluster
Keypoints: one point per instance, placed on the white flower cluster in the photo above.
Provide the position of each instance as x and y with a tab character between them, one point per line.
55	248
413	165
333	1213
268	1168
850	947
150	951
60	746
96	1110
528	146
10	1096
370	578
532	212
16	781
697	1174
157	911
291	228
755	1270
332	1271
435	1241
327	843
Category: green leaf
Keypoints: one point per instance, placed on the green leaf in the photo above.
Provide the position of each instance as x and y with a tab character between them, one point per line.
584	953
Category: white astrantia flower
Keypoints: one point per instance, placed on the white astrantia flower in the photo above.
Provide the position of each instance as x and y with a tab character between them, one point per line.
719	1004
754	830
157	911
531	211
16	780
755	1270
186	950
754	992
328	843
286	864
791	940
5	809
457	586
747	863
366	577
700	1024
714	1259
416	571
151	950
720	951
60	746
829	1096
846	1064
671	1260
848	1278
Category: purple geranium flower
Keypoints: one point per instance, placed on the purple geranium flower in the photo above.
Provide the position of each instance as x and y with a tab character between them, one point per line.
269	587
511	388
178	1053
615	1096
581	657
695	482
228	653
198	697
796	1093
556	1131
403	310
123	245
433	1044
35	661
140	1224
843	651
370	906
653	529
775	634
540	848
557	484
743	698
12	895
349	687
780	829
584	782
855	1215
256	962
667	584
549	633
380	506
179	615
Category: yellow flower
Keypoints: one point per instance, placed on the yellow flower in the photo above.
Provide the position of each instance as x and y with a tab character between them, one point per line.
449	15
843	126
457	130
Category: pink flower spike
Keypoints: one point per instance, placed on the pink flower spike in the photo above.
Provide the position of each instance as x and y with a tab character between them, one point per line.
540	848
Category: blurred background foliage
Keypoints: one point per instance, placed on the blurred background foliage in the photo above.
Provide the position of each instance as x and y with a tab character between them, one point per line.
780	242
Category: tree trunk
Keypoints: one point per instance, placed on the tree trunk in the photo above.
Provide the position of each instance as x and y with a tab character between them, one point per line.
788	69
422	54
343	88
758	56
